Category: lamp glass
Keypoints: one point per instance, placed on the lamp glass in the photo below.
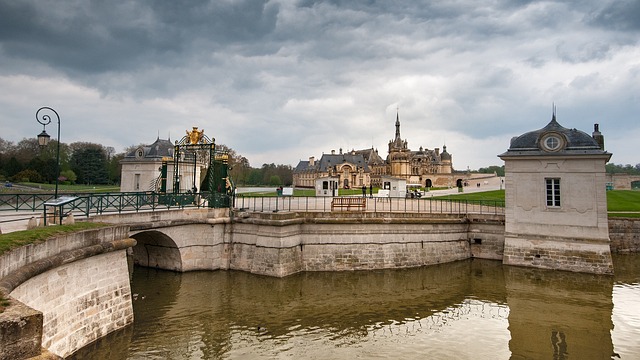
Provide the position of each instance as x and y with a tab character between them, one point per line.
43	138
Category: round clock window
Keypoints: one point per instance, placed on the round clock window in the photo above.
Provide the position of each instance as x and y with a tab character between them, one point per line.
552	143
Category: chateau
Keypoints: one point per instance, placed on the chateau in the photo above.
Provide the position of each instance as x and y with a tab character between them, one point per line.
366	167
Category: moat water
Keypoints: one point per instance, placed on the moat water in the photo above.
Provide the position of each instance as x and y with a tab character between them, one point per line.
473	309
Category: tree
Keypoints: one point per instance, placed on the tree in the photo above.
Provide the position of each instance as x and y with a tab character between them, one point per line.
498	170
275	180
89	163
69	176
27	176
612	168
115	168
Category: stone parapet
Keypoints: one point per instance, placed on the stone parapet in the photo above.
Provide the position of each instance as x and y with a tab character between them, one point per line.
280	244
577	255
624	234
64	293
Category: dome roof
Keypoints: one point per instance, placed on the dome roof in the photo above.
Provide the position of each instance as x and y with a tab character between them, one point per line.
445	156
554	139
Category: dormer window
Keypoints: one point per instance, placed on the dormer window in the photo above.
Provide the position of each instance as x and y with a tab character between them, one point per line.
552	142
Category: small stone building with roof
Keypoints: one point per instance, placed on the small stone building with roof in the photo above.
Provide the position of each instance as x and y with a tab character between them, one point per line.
556	205
141	169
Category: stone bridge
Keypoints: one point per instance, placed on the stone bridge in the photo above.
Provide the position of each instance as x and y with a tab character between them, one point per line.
280	244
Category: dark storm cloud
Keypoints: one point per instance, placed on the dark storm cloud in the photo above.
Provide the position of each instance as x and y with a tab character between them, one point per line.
281	80
620	14
98	36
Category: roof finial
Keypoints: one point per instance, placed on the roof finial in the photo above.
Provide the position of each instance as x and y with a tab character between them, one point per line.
553	110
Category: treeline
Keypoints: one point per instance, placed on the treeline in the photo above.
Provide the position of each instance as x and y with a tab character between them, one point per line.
623	169
95	164
80	162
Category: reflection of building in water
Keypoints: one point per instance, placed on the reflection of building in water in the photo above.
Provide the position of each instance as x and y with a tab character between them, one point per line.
476	309
559	315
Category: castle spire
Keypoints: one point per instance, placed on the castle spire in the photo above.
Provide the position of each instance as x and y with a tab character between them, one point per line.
397	127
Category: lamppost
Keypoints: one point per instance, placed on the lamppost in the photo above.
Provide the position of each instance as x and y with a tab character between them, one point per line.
44	118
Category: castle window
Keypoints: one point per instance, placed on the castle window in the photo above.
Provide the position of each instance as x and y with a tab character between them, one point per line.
553	192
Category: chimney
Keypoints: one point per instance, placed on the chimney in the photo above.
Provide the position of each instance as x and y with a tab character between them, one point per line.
597	136
437	151
312	161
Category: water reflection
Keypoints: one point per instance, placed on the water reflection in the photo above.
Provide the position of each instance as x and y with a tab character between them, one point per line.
467	310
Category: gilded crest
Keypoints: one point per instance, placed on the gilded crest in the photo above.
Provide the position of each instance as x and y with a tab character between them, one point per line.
195	135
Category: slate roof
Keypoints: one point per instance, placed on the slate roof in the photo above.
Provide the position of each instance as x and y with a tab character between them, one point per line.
328	161
577	142
159	149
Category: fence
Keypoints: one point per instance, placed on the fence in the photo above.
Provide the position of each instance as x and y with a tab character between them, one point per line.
381	205
87	204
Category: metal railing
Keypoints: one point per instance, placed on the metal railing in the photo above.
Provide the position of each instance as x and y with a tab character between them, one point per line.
88	204
374	204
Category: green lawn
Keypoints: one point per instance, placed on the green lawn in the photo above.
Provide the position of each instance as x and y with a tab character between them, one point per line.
623	200
16	239
620	203
495	195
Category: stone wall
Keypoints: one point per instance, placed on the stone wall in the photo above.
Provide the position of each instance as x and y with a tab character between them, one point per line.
624	234
81	301
65	292
283	244
578	255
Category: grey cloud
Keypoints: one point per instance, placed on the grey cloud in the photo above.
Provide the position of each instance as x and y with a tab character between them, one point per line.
619	14
582	52
96	36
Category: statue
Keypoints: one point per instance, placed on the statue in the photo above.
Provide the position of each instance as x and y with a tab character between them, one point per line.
195	135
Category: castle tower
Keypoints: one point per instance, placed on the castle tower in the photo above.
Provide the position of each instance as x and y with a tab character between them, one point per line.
556	205
399	154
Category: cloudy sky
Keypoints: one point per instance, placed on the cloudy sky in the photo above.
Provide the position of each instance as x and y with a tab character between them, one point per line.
281	80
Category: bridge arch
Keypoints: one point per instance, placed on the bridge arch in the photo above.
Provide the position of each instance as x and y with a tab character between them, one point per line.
156	249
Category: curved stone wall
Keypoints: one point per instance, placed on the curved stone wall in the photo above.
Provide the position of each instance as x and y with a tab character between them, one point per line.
65	292
80	301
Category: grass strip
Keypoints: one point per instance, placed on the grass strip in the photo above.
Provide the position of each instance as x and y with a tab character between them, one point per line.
16	239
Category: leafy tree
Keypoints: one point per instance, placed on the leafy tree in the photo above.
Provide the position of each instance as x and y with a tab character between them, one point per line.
13	167
275	180
498	170
69	175
27	176
115	168
612	168
89	163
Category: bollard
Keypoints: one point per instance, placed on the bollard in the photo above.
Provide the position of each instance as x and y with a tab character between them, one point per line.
32	224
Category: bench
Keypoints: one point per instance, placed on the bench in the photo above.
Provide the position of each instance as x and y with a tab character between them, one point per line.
342	203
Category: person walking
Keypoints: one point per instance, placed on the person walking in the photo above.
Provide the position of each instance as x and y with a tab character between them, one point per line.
364	190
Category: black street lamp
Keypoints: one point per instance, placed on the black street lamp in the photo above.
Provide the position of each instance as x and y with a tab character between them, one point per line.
43	137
